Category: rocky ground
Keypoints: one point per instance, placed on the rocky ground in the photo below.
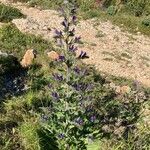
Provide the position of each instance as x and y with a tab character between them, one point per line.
110	49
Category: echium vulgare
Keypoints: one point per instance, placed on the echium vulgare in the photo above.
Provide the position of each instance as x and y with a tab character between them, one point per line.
71	119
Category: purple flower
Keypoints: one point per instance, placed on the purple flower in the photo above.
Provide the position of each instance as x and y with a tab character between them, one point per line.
65	23
61	136
61	58
79	121
77	39
83	55
58	34
93	118
74	19
58	77
72	48
76	86
55	95
80	86
76	70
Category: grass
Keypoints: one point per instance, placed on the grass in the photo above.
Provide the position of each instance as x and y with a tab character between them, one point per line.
8	13
16	42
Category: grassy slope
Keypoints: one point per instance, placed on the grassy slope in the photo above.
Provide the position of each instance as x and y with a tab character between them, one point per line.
20	115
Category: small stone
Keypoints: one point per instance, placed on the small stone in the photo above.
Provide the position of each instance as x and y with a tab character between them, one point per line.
123	89
138	33
112	85
53	55
28	58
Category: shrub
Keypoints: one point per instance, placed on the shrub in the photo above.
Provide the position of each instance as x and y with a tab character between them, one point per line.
146	22
112	10
137	6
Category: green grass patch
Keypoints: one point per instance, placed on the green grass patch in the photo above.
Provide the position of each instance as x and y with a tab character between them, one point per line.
8	13
29	136
15	42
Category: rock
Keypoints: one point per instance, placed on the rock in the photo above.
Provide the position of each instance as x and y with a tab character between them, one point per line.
112	85
53	55
123	89
28	58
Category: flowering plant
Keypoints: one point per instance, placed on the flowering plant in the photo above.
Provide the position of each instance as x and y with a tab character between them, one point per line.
71	117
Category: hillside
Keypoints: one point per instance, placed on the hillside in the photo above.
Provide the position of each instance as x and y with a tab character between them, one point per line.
94	97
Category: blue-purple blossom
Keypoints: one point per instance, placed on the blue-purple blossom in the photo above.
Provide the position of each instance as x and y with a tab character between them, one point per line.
79	121
76	70
55	95
58	34
80	86
61	58
61	136
83	55
93	118
90	87
77	39
65	23
72	48
74	19
58	77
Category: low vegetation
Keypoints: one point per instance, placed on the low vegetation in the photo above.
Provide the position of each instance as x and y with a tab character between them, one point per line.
8	13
